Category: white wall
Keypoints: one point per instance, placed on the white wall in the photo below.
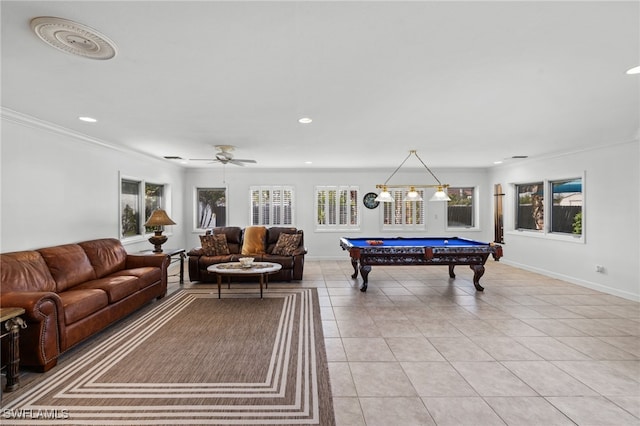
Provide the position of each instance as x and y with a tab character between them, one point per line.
325	245
58	187
610	223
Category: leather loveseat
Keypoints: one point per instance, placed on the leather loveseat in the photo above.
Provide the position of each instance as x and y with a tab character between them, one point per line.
72	291
267	250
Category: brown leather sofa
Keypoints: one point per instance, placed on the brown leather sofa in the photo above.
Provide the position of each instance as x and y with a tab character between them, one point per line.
72	291
292	266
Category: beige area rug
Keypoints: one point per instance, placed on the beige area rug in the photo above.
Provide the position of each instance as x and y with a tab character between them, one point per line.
192	359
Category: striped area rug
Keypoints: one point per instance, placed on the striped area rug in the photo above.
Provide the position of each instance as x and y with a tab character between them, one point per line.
193	359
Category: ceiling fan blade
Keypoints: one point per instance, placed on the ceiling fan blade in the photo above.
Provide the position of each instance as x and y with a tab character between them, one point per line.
202	159
244	161
236	162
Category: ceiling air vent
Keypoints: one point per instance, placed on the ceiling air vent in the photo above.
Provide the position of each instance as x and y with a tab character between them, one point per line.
74	38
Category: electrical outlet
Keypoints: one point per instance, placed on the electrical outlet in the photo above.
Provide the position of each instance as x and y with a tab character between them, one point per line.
599	268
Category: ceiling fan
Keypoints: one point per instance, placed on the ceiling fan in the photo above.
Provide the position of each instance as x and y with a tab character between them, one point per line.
225	156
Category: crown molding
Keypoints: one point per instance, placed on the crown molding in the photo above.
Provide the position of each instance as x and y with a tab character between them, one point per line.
26	120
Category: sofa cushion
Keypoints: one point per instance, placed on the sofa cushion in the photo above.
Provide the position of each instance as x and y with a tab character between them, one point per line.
234	237
214	245
287	262
146	275
116	287
287	244
25	271
273	235
106	255
205	261
254	240
69	265
79	304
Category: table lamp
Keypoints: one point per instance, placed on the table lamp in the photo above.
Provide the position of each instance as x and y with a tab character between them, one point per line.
158	219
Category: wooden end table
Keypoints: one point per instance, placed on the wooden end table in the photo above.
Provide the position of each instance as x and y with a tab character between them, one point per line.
257	269
11	325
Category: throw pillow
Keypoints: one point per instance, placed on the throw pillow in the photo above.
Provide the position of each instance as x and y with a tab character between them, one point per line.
214	245
253	240
286	244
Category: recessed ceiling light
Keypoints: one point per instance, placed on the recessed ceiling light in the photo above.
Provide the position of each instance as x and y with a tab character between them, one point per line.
634	70
497	162
308	162
87	119
304	120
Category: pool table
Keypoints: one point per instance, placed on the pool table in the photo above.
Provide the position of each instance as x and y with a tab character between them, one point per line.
450	251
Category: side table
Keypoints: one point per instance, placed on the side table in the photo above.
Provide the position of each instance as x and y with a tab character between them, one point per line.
11	325
170	253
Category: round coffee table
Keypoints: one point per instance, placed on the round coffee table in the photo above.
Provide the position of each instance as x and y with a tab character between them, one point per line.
257	269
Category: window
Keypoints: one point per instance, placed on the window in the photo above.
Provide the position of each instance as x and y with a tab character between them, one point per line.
461	208
337	207
271	205
211	208
566	213
530	207
403	215
136	197
153	199
130	208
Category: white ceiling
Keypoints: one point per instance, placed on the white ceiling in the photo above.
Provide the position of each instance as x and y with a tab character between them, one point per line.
464	83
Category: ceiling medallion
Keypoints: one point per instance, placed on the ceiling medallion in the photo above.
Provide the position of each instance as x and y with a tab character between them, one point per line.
74	38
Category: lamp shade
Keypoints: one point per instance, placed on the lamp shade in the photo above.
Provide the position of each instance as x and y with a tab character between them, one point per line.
159	217
384	197
412	195
440	195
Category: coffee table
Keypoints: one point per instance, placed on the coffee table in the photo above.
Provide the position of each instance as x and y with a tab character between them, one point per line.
257	269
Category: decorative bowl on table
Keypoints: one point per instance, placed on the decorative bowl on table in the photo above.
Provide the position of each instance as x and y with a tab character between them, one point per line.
246	262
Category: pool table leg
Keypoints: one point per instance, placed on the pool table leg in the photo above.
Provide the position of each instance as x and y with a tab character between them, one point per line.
451	274
364	271
478	271
354	263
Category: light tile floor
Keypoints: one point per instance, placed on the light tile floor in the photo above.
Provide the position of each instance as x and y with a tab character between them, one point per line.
419	348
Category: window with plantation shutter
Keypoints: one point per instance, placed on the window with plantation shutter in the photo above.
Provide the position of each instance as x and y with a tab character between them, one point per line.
403	215
337	208
272	205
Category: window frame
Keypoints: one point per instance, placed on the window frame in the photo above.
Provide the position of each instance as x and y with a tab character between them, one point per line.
517	226
398	194
141	205
475	209
551	183
272	206
546	232
350	204
196	207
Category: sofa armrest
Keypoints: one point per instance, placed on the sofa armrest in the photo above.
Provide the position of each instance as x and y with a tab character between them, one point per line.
138	261
31	302
44	338
196	252
155	261
300	251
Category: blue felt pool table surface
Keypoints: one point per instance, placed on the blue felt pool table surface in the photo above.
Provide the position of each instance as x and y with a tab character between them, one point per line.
416	242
